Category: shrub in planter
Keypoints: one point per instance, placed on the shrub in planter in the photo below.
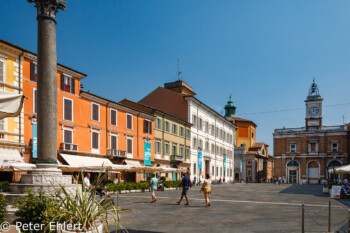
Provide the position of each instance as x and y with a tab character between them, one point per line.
2	208
5	186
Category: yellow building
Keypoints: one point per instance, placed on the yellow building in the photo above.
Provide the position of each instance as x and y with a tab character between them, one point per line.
172	138
11	128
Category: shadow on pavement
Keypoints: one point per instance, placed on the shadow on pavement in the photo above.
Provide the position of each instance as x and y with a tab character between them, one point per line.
310	189
141	231
344	202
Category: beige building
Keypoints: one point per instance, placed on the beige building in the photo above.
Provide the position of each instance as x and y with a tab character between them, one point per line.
172	138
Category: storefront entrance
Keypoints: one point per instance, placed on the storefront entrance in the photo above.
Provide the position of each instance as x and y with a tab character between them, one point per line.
292	176
292	171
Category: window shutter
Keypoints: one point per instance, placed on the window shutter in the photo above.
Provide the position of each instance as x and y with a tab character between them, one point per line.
144	126
32	72
95	112
35	102
113	117
129	145
113	142
68	136
150	127
73	86
62	82
95	140
67	110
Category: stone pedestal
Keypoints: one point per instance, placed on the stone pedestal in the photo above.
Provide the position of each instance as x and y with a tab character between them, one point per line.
45	180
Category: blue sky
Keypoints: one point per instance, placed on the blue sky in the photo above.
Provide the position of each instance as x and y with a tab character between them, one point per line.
263	52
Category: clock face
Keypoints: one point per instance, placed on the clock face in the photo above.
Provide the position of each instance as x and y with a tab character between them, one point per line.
313	111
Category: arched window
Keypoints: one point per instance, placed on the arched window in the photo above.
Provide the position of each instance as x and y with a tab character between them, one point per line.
293	163
334	163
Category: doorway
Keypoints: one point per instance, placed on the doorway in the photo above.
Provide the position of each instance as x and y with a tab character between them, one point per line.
207	167
292	176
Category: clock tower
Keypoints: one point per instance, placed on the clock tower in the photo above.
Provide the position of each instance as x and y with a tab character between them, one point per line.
313	104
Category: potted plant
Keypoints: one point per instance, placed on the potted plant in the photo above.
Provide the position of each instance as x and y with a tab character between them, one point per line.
83	210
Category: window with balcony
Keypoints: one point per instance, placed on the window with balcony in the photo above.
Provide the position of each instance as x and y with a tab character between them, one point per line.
158	124
68	136
293	147
334	146
95	142
67	109
129	121
33	72
67	83
95	112
174	149
113	116
129	145
147	126
114	142
174	129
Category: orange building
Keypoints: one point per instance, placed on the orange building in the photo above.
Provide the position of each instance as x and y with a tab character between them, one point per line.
88	125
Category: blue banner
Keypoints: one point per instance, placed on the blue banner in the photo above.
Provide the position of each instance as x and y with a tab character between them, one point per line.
147	154
225	163
240	166
35	141
199	159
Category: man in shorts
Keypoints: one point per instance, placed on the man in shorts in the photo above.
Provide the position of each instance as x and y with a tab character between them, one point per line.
185	186
153	184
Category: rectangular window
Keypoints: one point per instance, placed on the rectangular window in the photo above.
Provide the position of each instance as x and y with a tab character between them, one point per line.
167	126
182	151
158	147
212	170
200	124
334	146
212	148
194	143
95	141
220	171
129	145
67	84
217	171
174	129
68	136
113	117
212	130
174	149
33	72
147	126
128	121
312	147
216	132
188	133
35	101
182	131
67	109
206	147
293	147
207	127
158	124
249	162
114	140
95	115
2	70
167	148
194	121
201	144
187	153
194	168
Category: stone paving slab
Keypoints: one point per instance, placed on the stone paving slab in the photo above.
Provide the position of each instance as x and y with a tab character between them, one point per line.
234	208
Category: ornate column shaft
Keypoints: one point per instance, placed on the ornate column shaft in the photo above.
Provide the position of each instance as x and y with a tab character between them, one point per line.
47	81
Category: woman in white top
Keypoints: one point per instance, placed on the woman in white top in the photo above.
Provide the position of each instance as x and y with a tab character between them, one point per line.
206	188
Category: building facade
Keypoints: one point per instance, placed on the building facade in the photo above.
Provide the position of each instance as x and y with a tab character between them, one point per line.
251	158
307	153
172	139
12	144
212	136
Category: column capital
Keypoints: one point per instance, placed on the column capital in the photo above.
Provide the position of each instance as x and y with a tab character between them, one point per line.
48	8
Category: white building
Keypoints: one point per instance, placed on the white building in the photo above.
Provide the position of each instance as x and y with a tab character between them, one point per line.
211	134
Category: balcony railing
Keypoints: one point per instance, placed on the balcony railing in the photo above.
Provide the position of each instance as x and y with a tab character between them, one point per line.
176	158
69	146
116	153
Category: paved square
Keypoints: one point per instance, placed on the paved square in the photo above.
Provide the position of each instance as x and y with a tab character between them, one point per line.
234	208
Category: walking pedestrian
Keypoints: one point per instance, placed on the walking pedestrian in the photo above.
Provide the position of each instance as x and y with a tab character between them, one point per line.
87	182
194	181
153	184
206	189
185	186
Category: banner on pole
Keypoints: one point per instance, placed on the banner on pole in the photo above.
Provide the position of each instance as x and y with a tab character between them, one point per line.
35	141
147	154
199	159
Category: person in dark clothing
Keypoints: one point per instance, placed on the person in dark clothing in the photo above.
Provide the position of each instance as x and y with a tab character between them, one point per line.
185	186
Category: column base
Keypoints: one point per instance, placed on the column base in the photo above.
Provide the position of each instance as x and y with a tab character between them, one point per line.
45	180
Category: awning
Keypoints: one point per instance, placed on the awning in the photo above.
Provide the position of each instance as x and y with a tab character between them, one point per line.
10	155
133	163
10	104
14	166
85	163
340	170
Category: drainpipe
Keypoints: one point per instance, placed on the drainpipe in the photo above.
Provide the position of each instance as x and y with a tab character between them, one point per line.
107	127
137	134
19	92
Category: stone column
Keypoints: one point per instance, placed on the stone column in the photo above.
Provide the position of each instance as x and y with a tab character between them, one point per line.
47	81
46	176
